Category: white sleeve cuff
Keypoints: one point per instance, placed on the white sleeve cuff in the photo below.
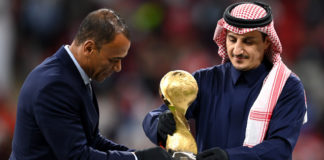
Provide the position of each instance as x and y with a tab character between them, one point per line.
134	155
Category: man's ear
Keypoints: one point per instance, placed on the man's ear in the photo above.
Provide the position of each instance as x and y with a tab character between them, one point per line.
267	43
89	47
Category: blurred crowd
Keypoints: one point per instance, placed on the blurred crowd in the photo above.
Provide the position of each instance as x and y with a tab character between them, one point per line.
166	35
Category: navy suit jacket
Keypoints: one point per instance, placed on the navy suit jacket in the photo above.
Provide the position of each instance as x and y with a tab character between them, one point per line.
56	118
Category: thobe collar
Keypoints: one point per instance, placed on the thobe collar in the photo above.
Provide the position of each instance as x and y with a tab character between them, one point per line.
250	76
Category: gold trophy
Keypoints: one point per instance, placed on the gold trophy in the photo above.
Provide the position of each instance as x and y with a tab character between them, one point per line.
178	90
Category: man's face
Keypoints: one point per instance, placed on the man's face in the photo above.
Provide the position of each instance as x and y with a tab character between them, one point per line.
108	60
246	51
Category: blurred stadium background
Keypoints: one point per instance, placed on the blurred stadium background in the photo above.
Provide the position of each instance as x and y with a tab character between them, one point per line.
166	35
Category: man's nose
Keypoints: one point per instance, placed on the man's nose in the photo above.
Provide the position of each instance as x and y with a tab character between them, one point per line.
238	48
118	67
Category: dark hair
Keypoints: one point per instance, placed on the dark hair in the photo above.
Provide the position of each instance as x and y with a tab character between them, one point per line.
101	26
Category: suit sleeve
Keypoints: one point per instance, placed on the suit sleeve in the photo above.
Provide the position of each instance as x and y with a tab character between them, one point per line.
103	144
150	123
284	127
57	113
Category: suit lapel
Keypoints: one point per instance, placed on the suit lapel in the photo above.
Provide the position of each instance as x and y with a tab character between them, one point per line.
90	113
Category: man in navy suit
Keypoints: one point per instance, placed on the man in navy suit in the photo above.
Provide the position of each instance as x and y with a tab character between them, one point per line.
57	114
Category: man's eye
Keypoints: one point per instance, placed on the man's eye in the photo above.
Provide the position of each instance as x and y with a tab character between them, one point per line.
232	40
114	60
249	42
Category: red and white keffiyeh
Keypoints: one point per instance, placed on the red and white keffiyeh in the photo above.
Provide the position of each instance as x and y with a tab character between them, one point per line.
261	111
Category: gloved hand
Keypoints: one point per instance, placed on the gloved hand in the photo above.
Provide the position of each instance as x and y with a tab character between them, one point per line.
166	125
156	153
212	154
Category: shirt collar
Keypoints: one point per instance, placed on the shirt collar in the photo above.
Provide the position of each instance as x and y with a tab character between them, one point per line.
250	76
84	76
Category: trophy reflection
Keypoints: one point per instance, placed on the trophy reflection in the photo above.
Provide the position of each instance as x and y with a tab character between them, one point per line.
178	90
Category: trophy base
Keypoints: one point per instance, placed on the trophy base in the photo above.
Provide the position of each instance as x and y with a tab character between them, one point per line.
183	156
